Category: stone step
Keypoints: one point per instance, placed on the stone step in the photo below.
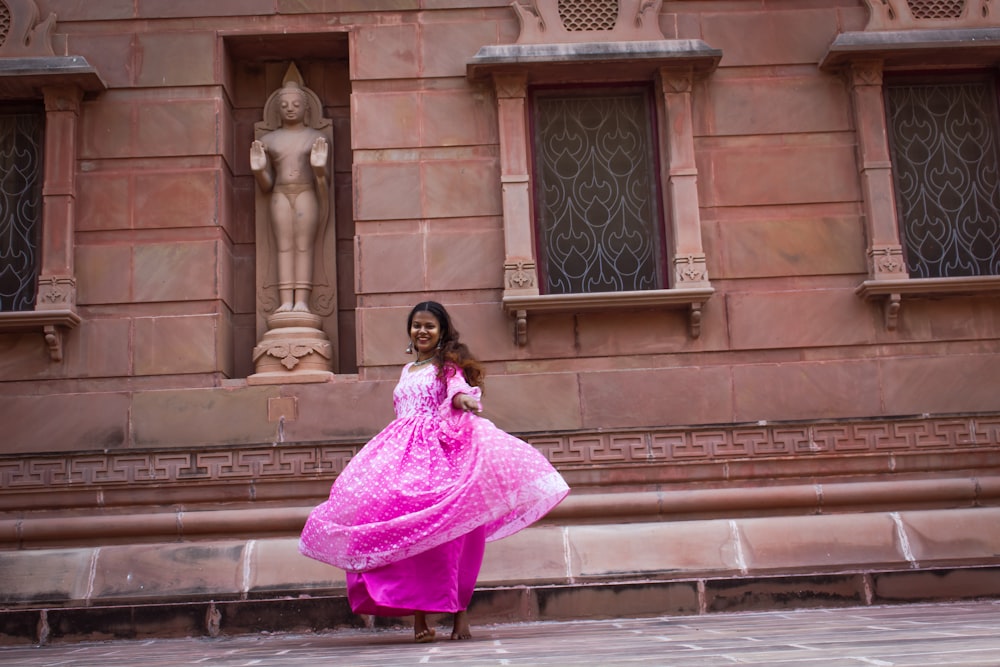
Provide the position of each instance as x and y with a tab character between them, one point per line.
545	571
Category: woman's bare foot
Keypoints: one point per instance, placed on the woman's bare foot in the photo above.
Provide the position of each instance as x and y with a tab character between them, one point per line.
461	629
421	633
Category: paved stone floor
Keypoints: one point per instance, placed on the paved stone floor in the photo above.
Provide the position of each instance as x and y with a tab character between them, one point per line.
965	634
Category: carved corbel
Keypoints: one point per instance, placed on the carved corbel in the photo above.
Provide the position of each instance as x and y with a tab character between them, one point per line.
891	308
521	328
694	320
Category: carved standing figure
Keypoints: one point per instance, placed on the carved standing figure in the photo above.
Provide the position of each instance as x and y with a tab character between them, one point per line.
290	163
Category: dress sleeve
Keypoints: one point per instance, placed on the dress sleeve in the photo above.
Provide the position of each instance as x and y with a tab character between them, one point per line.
456	423
456	384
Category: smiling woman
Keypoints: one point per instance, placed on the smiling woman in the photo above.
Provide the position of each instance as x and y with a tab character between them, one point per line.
409	517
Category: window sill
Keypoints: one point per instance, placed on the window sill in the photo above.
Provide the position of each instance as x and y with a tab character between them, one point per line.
894	290
520	305
51	323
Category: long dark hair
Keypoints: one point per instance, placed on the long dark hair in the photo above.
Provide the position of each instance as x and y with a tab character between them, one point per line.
450	348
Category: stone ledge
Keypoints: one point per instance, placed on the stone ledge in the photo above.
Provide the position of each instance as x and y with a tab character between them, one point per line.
559	555
505	605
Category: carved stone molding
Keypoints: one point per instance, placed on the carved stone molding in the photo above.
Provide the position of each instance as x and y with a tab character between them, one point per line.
25	33
929	14
560	21
619	449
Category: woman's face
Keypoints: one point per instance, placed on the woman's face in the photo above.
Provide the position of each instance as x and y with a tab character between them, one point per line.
425	332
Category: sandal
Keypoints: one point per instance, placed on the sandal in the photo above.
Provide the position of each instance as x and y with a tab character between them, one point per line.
424	636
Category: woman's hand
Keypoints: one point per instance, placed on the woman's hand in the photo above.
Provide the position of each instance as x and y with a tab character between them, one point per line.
466	403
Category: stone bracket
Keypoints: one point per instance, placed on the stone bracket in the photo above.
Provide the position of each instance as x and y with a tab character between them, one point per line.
891	292
52	324
691	298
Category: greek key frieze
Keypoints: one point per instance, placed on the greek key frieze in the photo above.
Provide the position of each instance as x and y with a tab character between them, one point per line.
567	451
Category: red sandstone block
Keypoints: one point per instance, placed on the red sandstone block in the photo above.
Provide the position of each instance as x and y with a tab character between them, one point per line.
446	47
75	10
383	337
64	423
99	348
171	59
654	331
276	564
177	345
752	105
958	535
177	271
648	549
806	390
112	55
385	52
386	120
650	398
102	201
49	575
531	403
319	6
470	258
799	319
155	570
241	225
459	118
388	191
103	274
484	326
954	318
156	9
344	408
834	542
781	248
770	36
107	127
958	382
761	175
390	262
541	546
222	416
188	198
177	127
461	188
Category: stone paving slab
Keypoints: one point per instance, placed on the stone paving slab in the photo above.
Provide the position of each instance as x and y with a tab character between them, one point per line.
933	635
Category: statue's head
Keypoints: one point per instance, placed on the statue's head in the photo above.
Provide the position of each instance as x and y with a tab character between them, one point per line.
293	103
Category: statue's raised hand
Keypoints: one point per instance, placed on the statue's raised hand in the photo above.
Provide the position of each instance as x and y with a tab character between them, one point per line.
258	156
320	153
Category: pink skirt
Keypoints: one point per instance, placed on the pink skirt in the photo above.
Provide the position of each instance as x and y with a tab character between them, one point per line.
440	579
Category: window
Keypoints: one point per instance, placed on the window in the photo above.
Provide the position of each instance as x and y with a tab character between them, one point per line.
598	182
929	158
37	201
597	215
943	138
20	207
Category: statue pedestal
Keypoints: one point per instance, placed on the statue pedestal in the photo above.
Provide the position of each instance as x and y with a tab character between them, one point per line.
294	350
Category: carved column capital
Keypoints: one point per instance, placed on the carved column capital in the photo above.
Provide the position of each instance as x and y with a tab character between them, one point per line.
690	270
866	73
511	85
676	81
520	275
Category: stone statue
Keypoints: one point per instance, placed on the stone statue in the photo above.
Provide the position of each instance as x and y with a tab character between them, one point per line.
296	238
290	163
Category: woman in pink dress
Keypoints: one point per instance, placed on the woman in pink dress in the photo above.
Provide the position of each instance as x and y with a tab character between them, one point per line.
409	516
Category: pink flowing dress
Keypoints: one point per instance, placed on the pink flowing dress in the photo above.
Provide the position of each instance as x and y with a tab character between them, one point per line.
409	516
